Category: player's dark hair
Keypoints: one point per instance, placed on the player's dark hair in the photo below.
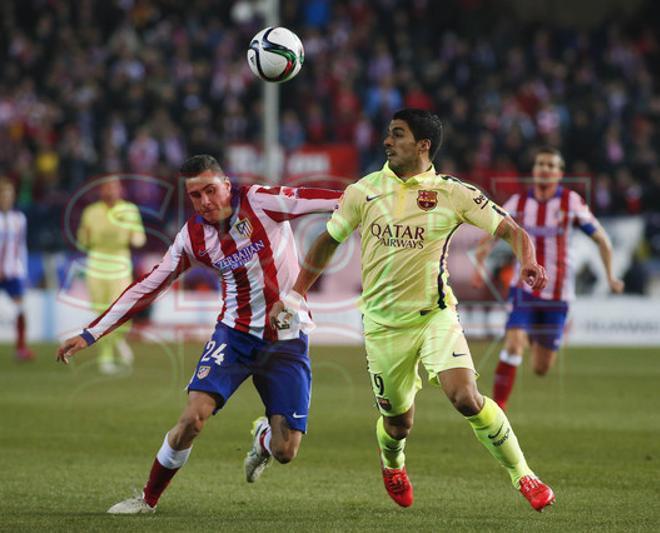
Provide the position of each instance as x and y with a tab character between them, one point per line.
424	125
195	165
552	151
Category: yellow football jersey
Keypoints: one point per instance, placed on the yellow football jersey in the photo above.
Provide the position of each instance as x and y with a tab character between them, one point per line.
107	233
406	228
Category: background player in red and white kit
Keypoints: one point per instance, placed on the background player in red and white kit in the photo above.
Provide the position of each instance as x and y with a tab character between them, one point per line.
549	213
13	261
245	236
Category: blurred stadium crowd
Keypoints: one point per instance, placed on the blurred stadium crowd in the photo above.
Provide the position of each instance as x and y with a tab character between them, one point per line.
92	87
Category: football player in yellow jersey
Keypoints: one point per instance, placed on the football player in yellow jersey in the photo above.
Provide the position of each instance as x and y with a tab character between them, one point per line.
407	215
108	229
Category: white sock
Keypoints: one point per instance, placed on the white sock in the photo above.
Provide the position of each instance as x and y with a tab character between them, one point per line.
20	307
125	352
265	441
171	458
510	359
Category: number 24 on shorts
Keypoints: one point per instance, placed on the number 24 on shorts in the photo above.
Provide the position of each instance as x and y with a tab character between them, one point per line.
211	352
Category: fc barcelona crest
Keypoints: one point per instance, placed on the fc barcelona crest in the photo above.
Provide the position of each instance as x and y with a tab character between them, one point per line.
427	200
244	227
203	371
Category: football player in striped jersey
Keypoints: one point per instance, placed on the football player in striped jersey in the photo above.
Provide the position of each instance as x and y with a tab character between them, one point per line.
13	261
550	213
244	235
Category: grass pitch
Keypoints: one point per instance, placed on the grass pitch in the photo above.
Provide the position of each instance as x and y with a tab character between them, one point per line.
74	442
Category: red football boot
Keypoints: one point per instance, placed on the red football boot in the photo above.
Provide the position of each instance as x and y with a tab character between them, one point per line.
537	493
398	485
24	354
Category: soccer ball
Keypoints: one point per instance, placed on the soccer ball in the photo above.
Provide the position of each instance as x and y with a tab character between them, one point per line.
275	54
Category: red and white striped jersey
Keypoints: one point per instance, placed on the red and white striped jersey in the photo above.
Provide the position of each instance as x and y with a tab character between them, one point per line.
253	251
551	224
13	247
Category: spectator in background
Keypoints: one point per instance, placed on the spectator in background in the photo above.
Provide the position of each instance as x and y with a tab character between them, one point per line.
13	261
111	68
108	229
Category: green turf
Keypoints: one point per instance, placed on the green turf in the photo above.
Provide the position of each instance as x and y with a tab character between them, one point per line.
72	443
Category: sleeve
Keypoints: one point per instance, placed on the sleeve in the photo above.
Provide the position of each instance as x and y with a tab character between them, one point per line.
142	292
287	203
348	215
473	207
583	218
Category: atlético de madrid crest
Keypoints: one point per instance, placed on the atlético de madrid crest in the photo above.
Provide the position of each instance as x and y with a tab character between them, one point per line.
427	200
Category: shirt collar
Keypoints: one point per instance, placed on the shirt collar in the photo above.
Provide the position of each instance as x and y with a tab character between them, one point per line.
429	173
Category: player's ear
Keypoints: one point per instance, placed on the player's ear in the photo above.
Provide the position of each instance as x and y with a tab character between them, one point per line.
424	145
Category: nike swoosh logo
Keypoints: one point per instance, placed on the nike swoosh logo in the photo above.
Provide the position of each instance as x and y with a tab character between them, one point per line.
457	354
370	198
498	432
296	415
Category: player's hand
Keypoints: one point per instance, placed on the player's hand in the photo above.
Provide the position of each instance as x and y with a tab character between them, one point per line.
616	285
534	275
279	315
69	347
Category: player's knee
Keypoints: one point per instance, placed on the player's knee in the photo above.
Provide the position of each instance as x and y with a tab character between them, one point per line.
541	369
284	453
399	431
466	401
192	424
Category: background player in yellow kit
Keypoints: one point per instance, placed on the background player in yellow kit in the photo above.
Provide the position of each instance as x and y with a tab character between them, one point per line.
107	230
407	215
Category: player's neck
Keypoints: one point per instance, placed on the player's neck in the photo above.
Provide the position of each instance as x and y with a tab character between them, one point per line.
110	203
543	194
414	170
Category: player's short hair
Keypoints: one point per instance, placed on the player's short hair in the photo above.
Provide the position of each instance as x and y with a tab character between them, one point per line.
424	125
552	151
195	165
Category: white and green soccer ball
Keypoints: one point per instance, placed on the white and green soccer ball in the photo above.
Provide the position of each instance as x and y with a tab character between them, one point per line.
275	54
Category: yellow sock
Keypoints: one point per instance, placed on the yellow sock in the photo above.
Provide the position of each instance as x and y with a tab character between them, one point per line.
391	450
104	347
494	431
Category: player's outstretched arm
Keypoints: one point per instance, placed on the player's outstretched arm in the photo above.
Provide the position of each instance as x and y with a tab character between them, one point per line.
484	247
313	265
605	250
522	245
69	347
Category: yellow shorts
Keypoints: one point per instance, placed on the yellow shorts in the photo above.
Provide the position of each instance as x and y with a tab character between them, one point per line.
394	354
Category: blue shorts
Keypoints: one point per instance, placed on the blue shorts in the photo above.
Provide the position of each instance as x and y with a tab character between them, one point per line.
14	287
543	320
281	372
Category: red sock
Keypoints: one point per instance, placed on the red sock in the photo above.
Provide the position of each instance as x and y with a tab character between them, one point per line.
159	479
20	331
505	377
